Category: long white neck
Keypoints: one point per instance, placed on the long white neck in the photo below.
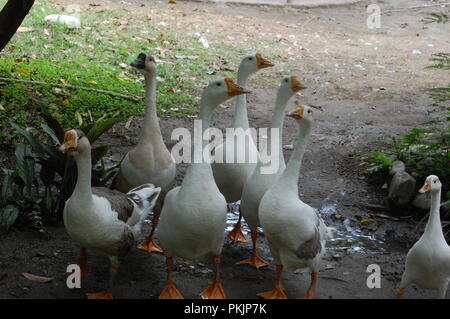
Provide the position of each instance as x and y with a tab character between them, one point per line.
290	176
83	186
151	130
277	122
434	227
240	113
202	171
207	106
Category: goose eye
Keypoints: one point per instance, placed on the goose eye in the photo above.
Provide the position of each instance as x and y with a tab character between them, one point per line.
250	58
309	111
434	182
219	84
286	80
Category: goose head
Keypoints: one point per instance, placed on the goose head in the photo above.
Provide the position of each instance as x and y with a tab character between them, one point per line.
75	143
220	90
432	183
291	85
145	63
302	113
252	63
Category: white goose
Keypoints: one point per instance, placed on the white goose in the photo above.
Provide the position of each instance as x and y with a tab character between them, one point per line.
101	219
149	161
259	182
295	232
428	261
193	218
230	177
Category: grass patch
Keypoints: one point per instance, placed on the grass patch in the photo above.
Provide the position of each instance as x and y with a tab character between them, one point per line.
97	55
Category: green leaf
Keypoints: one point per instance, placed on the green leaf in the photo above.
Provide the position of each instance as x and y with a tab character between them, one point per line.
98	153
53	123
8	216
50	203
51	133
31	139
109	174
25	165
54	164
37	146
87	127
440	94
101	127
6	189
442	61
436	17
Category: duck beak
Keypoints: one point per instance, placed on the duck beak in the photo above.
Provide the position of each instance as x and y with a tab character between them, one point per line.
234	89
262	63
296	84
297	113
425	188
70	143
139	63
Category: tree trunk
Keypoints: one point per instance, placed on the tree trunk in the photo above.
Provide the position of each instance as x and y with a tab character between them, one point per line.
11	17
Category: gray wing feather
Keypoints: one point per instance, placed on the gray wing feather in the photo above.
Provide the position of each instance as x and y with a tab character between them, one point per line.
119	202
311	247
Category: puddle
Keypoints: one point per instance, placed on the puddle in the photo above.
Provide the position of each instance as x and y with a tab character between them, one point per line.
348	238
353	240
233	217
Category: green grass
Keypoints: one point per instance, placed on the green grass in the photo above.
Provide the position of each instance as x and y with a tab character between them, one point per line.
90	56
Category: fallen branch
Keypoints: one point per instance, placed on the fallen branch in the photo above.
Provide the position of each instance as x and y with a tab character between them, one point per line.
134	98
418	7
333	278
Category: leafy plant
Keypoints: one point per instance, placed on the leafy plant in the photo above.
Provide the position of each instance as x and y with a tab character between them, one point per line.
8	212
441	60
20	190
379	162
436	17
440	94
425	149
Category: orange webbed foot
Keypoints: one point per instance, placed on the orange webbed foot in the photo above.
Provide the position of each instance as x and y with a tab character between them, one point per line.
236	234
309	295
400	292
254	261
170	292
214	291
107	294
149	245
277	293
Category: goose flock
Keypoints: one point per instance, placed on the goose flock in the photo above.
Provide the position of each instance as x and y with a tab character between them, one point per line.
190	220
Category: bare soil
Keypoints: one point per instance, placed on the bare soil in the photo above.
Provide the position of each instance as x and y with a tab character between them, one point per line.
367	81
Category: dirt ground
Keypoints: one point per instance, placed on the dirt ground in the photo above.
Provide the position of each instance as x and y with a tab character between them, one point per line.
368	81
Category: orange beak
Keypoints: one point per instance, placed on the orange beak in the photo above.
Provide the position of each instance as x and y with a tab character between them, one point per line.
70	142
262	63
296	84
297	113
234	89
425	188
